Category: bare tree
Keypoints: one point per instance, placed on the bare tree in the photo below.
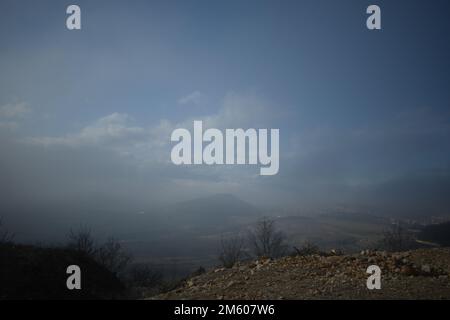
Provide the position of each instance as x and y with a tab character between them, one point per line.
145	275
307	249
231	250
397	238
82	241
5	235
112	256
266	241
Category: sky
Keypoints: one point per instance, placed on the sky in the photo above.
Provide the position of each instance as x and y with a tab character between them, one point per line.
363	114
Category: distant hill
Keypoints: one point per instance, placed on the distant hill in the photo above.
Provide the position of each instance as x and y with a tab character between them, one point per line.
216	212
436	233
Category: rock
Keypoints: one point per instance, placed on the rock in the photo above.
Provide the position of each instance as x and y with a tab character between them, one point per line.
426	268
408	271
316	277
190	283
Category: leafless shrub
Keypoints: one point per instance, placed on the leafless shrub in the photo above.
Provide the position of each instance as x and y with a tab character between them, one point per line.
231	251
199	271
266	241
112	256
144	275
397	239
5	235
307	249
82	241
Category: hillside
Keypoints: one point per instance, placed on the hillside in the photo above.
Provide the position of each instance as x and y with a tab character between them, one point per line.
31	272
419	274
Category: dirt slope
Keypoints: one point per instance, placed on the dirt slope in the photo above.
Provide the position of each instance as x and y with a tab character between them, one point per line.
419	274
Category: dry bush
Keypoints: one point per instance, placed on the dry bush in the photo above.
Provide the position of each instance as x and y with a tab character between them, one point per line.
266	241
231	251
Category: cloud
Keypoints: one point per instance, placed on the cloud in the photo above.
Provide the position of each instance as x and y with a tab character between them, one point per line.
194	98
237	111
9	125
142	146
243	111
148	147
17	110
111	130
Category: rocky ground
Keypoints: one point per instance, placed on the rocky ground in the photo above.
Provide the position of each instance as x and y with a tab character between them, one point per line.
419	274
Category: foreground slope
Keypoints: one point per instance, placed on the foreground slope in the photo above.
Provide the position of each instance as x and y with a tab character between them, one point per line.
419	274
31	272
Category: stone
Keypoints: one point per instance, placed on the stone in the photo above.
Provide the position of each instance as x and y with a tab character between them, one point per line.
426	268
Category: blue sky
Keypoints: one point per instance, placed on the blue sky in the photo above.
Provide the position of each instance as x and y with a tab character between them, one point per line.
356	108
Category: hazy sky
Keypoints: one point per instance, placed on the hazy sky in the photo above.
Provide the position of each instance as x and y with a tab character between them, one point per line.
363	115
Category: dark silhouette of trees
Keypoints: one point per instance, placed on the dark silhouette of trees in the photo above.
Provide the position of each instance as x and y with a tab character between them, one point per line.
144	275
111	255
82	241
397	238
231	250
307	249
5	236
266	241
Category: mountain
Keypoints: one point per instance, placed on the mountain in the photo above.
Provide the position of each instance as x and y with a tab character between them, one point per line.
212	213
